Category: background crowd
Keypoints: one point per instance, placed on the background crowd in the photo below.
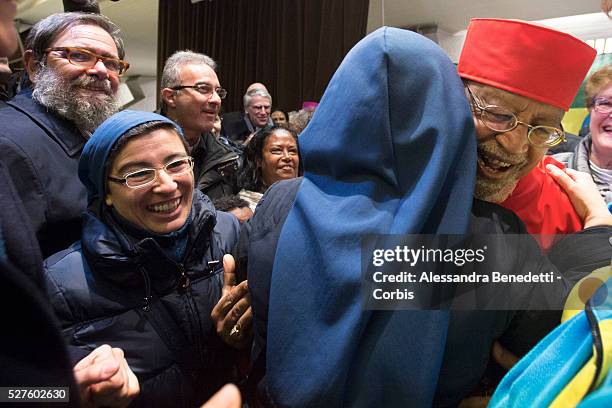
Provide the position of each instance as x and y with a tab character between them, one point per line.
192	247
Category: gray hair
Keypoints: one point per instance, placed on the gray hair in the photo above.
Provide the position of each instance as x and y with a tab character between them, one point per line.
246	99
171	76
44	32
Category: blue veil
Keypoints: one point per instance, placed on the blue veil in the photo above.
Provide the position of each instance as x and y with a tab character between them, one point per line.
390	150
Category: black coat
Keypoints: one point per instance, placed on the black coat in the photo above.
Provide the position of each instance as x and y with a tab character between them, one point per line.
234	127
41	152
111	289
471	333
216	167
32	350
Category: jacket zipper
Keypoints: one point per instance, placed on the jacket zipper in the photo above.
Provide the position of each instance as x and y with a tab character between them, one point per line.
193	312
147	281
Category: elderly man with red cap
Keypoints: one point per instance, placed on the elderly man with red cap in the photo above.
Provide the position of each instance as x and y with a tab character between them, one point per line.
520	78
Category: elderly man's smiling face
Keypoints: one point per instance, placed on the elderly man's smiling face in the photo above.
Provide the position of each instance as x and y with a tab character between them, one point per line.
505	157
84	95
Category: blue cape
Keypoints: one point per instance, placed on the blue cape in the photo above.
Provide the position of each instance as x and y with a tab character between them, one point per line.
390	150
92	164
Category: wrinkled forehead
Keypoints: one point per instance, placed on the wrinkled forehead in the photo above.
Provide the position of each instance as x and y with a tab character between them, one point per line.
192	74
88	36
517	103
259	100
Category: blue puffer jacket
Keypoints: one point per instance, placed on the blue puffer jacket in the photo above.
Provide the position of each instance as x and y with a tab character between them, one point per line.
110	289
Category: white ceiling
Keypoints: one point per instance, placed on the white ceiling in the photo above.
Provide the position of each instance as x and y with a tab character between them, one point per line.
454	15
138	18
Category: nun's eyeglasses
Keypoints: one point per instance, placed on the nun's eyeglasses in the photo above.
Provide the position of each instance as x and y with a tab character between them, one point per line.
144	177
500	119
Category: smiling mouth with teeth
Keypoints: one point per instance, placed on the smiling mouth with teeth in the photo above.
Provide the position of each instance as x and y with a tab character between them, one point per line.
166	207
492	164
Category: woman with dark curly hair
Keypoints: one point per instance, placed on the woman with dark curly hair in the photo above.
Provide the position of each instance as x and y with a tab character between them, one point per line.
271	155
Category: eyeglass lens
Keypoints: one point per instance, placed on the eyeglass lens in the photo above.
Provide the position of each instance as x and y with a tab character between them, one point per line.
602	105
143	177
206	89
501	119
86	59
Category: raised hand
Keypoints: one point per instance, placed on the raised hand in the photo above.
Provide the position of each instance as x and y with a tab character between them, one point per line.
105	379
232	315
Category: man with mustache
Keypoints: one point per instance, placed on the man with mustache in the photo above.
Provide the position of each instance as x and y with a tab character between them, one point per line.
520	78
34	354
191	96
74	61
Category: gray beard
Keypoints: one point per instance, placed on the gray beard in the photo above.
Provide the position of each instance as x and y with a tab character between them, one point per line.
73	100
492	192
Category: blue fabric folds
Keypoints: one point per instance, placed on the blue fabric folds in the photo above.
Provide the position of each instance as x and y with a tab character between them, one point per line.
92	165
390	150
538	378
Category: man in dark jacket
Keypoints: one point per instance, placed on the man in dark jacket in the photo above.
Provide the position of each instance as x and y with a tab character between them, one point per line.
257	102
33	353
74	61
191	96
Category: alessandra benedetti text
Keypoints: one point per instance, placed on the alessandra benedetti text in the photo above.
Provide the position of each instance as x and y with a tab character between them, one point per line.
493	277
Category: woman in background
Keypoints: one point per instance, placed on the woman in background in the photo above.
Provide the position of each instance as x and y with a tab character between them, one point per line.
593	155
271	155
280	117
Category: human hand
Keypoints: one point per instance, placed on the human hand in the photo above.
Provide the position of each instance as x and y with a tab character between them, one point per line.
232	315
583	193
226	397
503	356
105	379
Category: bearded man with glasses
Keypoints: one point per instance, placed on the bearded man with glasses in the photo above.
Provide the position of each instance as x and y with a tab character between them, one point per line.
74	61
519	79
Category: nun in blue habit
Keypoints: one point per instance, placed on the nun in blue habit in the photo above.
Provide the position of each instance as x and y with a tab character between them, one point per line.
390	150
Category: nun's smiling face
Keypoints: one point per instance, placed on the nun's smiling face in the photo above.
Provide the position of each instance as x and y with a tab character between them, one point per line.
163	205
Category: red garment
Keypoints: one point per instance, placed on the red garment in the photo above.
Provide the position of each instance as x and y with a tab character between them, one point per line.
543	205
524	58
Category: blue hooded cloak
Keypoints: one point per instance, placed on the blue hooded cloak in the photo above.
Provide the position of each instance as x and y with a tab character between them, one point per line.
390	150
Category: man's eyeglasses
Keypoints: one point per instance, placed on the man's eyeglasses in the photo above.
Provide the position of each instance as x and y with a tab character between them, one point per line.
204	89
602	105
144	177
500	119
86	59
